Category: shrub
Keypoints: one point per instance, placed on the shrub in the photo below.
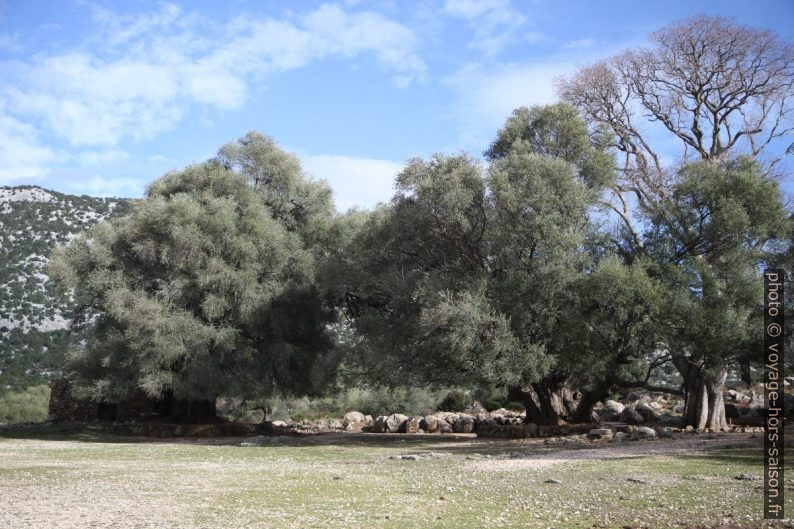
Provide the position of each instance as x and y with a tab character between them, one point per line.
492	404
514	406
28	405
370	401
455	400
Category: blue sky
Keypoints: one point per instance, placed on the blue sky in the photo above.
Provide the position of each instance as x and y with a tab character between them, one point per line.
103	97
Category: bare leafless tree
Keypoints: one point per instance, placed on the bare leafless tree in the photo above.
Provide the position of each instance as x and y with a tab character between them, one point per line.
719	87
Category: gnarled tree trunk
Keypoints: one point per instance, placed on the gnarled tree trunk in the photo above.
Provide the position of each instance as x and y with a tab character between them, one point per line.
584	410
704	406
549	401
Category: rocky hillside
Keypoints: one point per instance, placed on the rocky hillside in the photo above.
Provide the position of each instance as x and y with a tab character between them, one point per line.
33	321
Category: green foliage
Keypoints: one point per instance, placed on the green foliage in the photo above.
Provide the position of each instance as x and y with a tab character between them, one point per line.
462	279
455	400
370	401
709	240
28	405
205	288
615	320
514	406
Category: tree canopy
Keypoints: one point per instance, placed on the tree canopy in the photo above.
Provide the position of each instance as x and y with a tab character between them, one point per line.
205	288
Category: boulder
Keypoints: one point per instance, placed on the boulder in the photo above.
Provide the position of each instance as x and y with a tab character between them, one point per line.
464	424
443	427
379	425
633	397
475	409
394	422
643	432
631	416
668	419
614	406
354	417
600	433
648	413
679	408
410	425
666	433
429	423
355	427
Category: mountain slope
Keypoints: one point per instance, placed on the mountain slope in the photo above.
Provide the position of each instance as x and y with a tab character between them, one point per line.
33	320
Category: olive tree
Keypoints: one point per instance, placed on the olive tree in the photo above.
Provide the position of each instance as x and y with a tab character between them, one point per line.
466	275
206	288
720	91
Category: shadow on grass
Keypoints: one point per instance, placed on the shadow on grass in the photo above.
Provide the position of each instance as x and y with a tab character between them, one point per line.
736	451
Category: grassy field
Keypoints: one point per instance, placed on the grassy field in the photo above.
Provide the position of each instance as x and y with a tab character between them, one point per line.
355	481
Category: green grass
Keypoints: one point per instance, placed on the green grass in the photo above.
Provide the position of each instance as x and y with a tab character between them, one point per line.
355	484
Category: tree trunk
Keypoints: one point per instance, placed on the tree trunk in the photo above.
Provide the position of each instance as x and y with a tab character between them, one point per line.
584	411
746	374
547	402
704	407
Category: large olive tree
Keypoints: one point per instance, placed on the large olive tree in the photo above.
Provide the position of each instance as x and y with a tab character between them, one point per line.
206	287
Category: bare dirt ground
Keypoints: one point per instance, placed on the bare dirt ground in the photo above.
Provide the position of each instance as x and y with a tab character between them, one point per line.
372	480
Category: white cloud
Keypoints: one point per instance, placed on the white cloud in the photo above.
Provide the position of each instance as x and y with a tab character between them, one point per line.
486	95
102	157
21	154
580	44
494	22
98	186
355	181
143	73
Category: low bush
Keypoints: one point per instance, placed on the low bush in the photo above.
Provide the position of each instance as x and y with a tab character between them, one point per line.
456	400
28	405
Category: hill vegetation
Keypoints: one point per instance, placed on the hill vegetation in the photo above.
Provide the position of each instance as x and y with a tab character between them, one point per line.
34	319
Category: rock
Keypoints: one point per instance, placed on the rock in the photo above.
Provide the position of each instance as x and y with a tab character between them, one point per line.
632	397
689	429
531	430
379	425
556	441
553	481
657	406
630	416
648	414
476	409
464	424
746	477
410	425
429	423
668	419
447	416
643	432
443	427
614	406
353	417
600	433
665	433
278	424
733	394
679	408
394	422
